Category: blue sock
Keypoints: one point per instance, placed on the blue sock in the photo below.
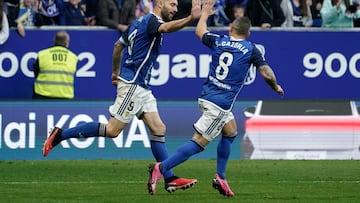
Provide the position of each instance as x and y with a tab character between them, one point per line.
160	153
223	153
92	129
183	153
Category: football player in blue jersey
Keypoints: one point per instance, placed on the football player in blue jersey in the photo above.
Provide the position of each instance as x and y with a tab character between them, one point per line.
134	56
231	59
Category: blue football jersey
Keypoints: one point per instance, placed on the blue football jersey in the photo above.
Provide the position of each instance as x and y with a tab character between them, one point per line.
142	45
231	61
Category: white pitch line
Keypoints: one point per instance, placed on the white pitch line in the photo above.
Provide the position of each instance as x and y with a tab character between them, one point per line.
324	181
303	182
71	182
142	182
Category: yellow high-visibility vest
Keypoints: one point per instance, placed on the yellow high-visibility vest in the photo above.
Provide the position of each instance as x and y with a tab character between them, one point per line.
57	71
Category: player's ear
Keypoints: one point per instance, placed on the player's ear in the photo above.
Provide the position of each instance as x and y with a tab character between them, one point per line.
231	27
160	3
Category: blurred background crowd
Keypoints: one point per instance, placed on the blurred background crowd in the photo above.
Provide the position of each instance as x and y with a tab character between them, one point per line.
118	14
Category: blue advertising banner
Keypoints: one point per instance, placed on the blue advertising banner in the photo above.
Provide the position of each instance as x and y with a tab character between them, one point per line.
24	126
308	64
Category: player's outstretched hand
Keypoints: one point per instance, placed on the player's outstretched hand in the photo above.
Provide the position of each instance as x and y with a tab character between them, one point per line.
196	9
207	7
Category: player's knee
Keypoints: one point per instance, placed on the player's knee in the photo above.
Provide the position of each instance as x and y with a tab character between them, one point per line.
200	140
112	134
159	129
231	134
229	130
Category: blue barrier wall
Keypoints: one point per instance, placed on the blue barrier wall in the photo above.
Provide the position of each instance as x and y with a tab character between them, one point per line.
309	64
24	126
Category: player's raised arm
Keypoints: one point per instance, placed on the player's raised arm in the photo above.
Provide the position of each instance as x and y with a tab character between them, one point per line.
175	25
207	10
268	74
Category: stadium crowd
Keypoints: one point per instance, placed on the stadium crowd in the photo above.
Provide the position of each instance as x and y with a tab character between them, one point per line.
118	14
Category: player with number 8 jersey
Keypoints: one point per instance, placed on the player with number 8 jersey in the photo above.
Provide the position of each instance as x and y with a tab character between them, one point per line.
232	57
231	60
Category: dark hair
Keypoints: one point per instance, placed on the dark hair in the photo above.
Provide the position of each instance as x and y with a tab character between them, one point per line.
352	8
304	6
242	25
349	8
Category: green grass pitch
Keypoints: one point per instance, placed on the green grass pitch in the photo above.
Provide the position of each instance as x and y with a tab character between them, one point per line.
125	181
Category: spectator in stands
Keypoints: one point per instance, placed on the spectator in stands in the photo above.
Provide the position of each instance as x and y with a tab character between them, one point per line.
48	12
54	70
230	4
91	11
116	14
143	7
315	12
11	8
72	13
26	16
237	11
4	25
339	13
184	9
88	8
219	18
356	20
297	13
82	4
265	13
127	11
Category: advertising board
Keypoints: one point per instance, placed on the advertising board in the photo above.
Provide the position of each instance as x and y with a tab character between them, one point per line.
308	64
24	126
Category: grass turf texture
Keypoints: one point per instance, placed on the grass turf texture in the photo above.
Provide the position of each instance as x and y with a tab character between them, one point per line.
125	181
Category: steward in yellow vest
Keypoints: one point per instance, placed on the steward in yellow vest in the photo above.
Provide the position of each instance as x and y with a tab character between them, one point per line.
55	70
